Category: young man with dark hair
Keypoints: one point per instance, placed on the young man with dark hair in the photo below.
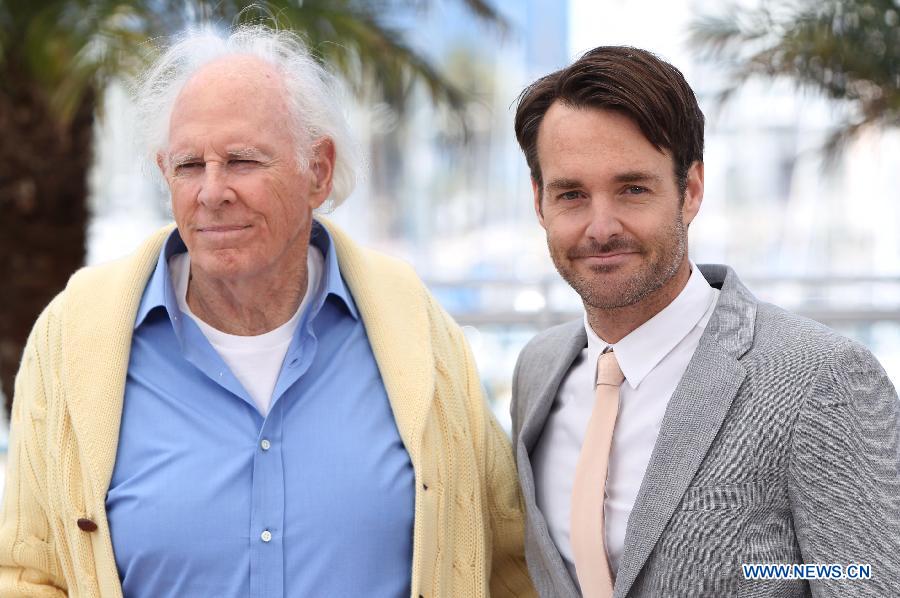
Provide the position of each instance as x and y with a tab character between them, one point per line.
682	428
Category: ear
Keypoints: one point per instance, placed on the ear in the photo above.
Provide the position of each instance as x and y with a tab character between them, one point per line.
161	163
693	193
538	209
322	168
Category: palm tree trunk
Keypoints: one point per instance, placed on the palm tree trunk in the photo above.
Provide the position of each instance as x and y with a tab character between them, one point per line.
43	208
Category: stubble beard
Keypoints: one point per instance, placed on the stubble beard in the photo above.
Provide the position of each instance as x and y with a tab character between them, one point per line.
599	292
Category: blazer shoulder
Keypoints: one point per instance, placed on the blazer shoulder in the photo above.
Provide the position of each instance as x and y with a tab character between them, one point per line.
782	330
791	348
549	342
826	350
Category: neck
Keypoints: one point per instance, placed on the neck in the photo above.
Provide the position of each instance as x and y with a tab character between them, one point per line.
614	324
249	306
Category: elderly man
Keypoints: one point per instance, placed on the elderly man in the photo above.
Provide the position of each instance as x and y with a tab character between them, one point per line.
681	428
251	404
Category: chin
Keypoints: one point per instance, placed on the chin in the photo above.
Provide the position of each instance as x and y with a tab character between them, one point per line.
607	274
222	264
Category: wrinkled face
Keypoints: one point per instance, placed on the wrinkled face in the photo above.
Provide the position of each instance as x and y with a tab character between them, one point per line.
609	202
242	203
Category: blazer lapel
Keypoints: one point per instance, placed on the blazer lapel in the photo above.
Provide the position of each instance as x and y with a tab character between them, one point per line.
536	389
692	419
542	393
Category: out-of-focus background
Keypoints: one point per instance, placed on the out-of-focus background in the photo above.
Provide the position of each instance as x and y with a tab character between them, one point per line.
802	100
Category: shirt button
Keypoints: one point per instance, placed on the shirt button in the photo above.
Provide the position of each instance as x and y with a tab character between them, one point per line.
265	444
266	536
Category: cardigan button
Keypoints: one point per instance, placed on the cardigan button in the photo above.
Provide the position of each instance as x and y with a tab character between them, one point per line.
86	525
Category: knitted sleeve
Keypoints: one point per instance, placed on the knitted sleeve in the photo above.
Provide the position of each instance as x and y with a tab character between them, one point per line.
509	573
28	562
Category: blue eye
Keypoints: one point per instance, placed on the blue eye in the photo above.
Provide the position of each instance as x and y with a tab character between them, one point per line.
635	190
570	195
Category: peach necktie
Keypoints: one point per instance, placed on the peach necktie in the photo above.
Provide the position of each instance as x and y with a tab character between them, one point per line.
588	535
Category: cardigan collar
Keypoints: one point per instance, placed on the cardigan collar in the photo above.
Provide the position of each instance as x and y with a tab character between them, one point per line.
101	304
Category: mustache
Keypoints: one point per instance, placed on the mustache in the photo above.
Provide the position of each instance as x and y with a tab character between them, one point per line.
614	245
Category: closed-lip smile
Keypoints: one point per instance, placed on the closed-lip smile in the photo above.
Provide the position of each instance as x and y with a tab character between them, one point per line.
611	254
608	258
222	228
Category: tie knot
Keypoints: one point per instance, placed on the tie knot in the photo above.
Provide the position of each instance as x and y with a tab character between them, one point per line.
608	370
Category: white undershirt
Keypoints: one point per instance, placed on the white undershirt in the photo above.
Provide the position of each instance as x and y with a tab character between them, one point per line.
653	358
254	360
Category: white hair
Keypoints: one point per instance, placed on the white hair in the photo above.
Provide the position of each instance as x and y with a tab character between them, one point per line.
312	93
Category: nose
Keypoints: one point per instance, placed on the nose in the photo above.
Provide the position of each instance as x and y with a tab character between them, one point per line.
214	188
605	220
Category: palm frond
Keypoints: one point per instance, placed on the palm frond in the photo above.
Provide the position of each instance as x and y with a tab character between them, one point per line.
846	50
370	55
70	46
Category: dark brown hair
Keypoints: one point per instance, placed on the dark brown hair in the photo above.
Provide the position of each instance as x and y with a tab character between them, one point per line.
637	83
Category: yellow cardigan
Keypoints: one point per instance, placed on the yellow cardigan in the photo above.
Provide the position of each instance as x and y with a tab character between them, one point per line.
468	533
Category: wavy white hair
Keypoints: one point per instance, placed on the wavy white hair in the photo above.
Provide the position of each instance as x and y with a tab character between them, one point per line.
313	93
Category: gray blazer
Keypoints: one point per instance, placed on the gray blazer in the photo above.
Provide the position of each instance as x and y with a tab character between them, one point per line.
781	444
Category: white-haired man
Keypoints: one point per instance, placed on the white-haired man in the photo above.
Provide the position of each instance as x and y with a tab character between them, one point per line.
251	404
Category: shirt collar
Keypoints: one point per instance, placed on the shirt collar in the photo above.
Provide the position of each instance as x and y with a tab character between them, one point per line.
159	292
332	281
643	348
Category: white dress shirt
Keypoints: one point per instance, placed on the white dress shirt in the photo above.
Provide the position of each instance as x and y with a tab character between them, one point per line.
653	358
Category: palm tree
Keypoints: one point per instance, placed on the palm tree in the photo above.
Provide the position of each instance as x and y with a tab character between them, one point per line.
56	57
848	50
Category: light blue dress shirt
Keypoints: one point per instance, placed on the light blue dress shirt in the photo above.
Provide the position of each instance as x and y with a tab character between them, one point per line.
210	499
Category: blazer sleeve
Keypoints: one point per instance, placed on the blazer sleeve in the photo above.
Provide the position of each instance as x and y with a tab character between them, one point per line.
845	474
509	573
28	559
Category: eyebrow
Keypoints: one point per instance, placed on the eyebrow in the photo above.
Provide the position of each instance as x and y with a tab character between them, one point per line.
179	159
561	184
246	153
632	176
241	153
637	176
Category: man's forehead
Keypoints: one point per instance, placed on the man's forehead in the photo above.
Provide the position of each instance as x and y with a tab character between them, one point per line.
568	131
235	70
236	103
232	83
565	120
